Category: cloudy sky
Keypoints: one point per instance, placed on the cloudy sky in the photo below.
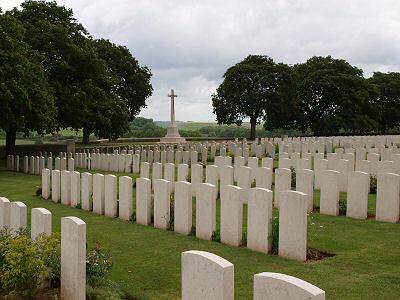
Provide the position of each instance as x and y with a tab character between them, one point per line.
188	44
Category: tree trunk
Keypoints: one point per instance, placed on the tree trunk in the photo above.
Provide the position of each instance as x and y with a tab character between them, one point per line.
11	136
86	136
253	123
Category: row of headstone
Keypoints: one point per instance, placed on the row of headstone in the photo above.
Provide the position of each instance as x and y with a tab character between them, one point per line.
223	172
99	194
209	276
13	218
35	164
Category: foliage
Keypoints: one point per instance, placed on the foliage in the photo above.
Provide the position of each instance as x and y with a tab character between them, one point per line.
216	236
333	95
130	82
373	185
256	88
49	249
98	86
98	265
22	268
293	177
387	99
275	235
27	101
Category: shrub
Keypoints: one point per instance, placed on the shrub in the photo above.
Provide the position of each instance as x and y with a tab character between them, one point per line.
49	248
22	268
216	236
98	265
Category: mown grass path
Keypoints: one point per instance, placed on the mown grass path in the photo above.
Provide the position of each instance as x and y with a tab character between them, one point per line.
147	260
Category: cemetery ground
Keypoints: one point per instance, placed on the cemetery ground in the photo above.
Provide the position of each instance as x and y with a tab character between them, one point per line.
147	260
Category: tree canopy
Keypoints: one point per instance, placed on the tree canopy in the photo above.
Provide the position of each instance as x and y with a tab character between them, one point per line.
387	99
333	95
96	85
26	98
256	88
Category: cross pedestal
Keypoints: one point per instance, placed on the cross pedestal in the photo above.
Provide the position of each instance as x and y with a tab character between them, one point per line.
173	135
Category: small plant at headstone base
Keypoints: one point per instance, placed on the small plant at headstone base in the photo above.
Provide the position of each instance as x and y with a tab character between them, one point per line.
342	206
275	235
293	177
98	265
373	185
216	236
49	248
22	268
133	216
170	225
244	238
193	231
38	192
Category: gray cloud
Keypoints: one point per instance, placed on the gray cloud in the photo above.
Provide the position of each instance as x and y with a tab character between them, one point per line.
189	44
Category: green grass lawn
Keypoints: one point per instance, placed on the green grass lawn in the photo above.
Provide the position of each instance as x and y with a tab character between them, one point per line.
147	260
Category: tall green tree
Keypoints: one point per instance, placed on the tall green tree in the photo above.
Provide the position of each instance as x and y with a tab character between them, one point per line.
387	99
333	96
130	81
256	88
26	98
98	85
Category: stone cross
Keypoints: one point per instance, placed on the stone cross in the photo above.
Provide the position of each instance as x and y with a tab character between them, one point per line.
172	96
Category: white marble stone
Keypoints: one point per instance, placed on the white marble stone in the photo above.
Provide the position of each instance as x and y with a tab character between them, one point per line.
305	184
75	178
263	178
65	187
125	198
231	215
206	210
212	175
18	216
162	202
293	225
169	175
4	213
73	258
387	198
40	222
206	276
226	175
110	196
357	195
283	182
329	197
267	162
196	177
98	194
55	186
145	170
87	191
320	165
275	286
143	201
183	211
46	184
259	220
183	172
